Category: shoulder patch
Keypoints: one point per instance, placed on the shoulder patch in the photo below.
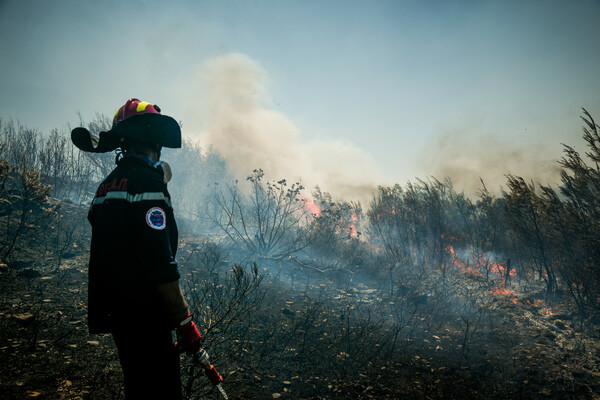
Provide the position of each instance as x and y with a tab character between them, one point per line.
156	218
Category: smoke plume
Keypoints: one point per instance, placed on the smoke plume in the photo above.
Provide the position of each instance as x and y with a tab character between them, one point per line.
466	158
235	119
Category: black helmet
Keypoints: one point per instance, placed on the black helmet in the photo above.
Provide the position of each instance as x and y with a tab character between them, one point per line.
136	121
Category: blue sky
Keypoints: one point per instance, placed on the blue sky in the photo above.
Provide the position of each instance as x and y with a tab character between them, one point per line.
419	87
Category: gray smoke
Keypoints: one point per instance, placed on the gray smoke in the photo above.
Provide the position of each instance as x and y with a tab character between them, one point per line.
235	119
466	156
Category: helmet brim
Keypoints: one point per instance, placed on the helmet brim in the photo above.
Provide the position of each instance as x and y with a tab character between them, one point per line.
84	140
144	128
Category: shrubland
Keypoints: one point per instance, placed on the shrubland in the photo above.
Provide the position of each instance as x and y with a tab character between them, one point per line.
424	292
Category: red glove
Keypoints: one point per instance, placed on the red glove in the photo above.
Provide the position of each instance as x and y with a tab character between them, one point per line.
188	337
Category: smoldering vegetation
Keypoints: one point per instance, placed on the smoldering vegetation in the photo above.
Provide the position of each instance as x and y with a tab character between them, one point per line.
424	292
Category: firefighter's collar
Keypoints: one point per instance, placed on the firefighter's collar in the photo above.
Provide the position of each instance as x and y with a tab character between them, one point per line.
161	166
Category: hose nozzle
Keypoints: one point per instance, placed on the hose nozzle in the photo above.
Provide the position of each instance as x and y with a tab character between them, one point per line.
209	369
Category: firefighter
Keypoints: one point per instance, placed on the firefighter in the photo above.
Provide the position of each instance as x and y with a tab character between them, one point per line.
134	291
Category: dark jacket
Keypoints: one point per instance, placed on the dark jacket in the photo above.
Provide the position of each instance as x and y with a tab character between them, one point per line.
134	241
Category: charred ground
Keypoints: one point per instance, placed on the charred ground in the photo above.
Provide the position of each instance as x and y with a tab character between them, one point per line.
320	339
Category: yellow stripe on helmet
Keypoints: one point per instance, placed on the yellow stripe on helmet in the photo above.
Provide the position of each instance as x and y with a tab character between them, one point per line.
142	106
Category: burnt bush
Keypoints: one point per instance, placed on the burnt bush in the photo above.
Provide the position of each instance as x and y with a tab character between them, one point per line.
265	221
26	208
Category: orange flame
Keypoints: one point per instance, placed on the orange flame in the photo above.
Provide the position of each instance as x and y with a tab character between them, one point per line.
469	270
497	270
475	269
502	270
352	226
502	291
311	206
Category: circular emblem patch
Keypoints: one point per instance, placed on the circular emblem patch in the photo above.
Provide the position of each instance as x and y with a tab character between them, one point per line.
156	218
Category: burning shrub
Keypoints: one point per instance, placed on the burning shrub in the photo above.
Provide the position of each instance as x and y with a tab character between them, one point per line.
416	225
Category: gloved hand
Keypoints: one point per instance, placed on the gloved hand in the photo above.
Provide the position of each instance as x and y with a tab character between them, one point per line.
188	337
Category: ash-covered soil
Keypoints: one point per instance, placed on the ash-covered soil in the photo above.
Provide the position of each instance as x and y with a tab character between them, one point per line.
316	341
